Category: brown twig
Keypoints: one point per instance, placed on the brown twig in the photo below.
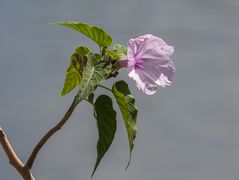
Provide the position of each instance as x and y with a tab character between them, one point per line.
13	158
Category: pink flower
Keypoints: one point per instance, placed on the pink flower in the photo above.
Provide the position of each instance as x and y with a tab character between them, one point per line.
148	63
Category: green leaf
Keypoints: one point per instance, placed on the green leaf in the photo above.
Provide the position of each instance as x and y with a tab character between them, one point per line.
91	98
98	35
98	56
77	56
94	73
72	80
105	116
114	55
128	110
82	51
120	50
73	77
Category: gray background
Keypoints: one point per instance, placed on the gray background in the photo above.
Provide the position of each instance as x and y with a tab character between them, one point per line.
189	131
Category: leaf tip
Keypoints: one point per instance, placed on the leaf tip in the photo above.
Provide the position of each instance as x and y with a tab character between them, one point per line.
127	166
96	165
63	92
130	156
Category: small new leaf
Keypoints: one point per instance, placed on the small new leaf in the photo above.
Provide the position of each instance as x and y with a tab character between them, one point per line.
73	77
120	50
97	34
114	55
94	73
105	116
82	51
126	103
77	56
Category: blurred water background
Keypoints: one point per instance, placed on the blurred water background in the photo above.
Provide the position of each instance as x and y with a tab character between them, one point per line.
189	131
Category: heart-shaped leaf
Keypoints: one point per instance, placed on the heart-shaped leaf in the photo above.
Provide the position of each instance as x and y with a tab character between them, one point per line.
94	73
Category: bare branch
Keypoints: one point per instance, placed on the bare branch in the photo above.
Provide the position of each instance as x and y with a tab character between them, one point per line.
13	158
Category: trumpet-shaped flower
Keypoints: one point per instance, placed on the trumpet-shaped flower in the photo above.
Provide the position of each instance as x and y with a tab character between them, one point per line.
149	63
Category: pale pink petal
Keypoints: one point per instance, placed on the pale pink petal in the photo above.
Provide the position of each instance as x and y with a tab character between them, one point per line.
168	50
135	76
142	83
149	64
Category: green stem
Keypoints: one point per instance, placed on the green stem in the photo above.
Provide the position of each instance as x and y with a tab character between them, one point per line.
105	88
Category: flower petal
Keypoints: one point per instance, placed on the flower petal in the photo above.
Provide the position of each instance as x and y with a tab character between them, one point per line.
143	83
149	63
